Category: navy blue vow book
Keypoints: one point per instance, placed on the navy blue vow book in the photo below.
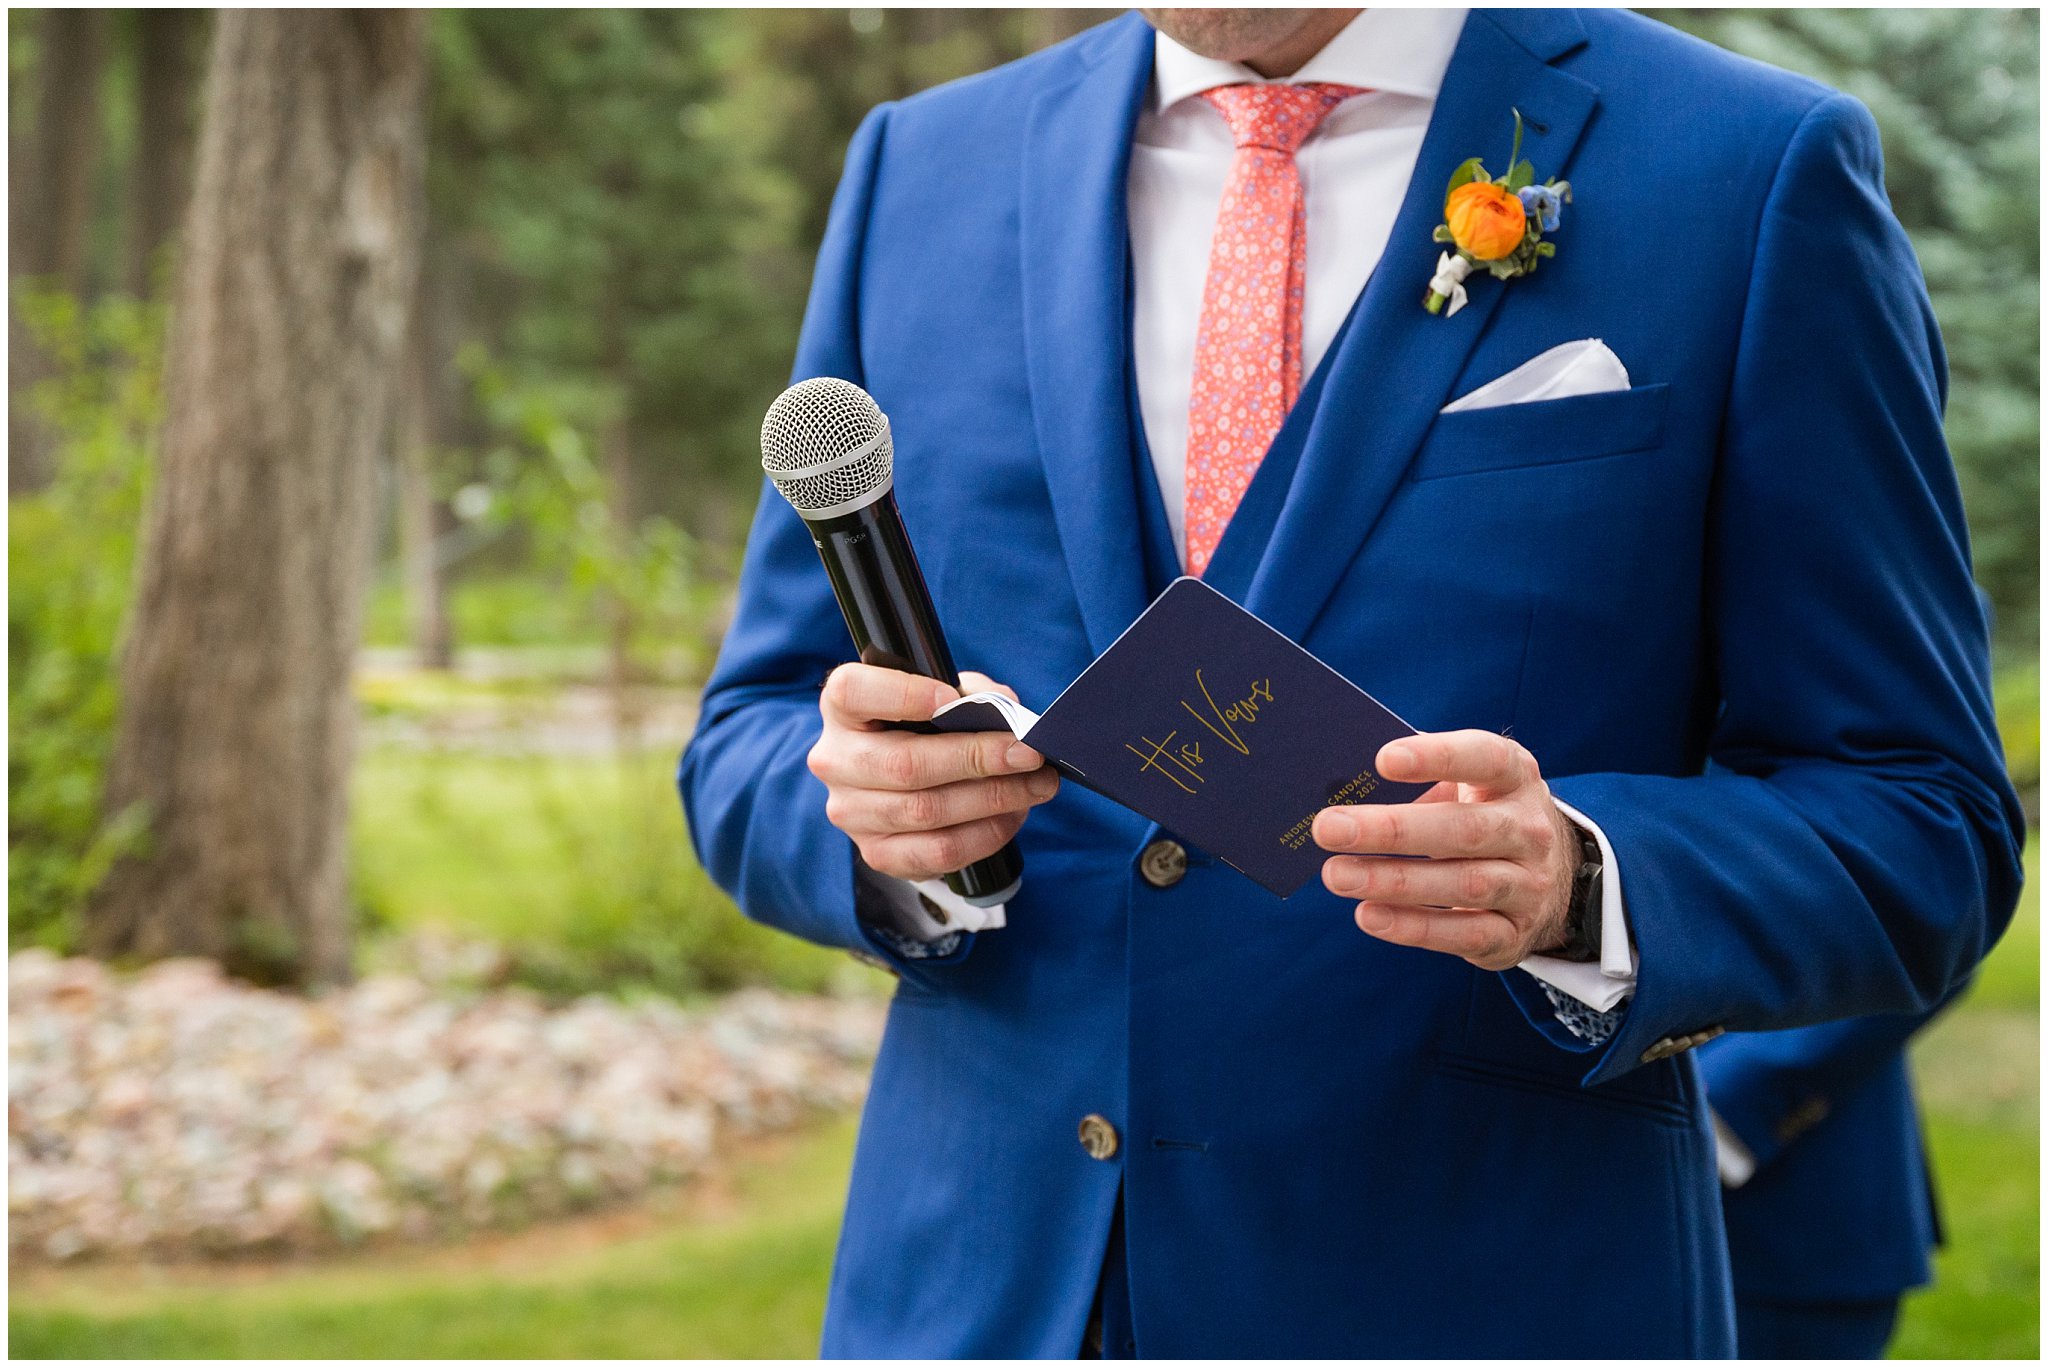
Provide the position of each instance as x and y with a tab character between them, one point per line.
1215	726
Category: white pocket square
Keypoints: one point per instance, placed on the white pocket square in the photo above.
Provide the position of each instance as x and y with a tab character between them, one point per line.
1563	372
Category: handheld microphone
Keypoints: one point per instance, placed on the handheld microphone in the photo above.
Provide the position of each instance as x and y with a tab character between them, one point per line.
826	447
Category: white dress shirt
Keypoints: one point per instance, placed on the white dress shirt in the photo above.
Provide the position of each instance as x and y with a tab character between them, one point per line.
1355	171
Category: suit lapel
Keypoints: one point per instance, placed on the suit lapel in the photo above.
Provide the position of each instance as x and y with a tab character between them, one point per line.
1074	236
1396	363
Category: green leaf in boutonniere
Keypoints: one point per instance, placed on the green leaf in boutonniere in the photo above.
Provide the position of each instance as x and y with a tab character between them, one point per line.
1468	171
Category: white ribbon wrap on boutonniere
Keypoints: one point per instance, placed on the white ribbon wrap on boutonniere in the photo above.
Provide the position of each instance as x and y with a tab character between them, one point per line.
1449	280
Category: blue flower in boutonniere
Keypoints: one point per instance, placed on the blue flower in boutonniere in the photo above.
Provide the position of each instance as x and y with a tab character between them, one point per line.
1494	225
1544	204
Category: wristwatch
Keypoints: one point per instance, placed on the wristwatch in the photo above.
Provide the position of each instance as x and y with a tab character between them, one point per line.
1582	921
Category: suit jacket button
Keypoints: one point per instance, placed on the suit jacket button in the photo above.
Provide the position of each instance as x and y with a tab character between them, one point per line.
1164	863
1802	1119
1678	1044
1098	1137
876	962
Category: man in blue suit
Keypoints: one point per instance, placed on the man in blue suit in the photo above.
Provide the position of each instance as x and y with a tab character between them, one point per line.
1443	1106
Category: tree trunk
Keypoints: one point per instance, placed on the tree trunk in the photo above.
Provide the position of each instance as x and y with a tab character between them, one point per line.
52	211
67	139
167	56
287	330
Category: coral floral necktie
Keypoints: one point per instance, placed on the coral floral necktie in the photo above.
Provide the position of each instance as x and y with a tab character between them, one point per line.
1248	346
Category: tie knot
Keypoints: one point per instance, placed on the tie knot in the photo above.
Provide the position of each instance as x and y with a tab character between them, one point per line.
1277	116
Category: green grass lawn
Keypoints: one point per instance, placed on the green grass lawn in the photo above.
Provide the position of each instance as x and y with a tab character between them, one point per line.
579	865
1985	1300
743	1277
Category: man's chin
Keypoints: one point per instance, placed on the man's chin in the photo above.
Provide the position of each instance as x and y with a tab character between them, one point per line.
1228	35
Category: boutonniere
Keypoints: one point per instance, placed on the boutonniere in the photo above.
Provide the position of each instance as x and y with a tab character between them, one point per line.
1494	225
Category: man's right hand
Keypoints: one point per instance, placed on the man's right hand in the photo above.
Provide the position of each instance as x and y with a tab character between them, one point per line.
918	806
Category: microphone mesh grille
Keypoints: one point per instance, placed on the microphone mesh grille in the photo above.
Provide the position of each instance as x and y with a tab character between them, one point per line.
826	446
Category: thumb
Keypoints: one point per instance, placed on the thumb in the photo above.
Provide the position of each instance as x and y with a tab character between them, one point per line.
974	681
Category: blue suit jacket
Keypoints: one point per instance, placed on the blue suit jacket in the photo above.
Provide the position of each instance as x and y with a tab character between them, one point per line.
1331	1145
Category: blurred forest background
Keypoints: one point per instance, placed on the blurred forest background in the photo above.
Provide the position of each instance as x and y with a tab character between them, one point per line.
588	245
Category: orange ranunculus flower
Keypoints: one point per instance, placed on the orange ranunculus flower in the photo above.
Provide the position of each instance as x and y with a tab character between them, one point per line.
1485	220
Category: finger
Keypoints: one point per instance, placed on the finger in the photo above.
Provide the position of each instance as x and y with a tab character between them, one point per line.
929	854
1487	939
887	813
1499	885
1486	760
974	681
858	695
902	760
1509	831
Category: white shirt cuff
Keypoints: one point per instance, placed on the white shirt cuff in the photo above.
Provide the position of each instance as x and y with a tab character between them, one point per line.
1603	983
1731	1156
911	916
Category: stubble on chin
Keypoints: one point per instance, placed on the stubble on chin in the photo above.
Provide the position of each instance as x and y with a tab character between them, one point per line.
1226	35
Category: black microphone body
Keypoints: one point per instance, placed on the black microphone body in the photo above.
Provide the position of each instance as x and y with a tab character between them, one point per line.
881	591
875	576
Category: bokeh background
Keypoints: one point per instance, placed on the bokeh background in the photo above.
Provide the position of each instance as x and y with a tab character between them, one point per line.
518	1080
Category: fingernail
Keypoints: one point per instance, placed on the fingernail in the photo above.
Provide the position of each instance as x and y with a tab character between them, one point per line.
1339	828
1374	918
1043	783
1396	757
1020	757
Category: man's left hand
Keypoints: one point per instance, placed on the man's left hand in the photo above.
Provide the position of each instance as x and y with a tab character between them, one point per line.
1497	884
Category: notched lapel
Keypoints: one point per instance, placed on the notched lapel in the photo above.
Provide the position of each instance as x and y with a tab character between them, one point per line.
1397	362
1074	240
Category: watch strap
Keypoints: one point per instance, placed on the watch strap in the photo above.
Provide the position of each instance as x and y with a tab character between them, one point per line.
1582	920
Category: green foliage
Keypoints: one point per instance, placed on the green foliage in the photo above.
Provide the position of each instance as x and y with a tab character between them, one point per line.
635	266
639	576
70	555
578	866
1469	170
2010	977
1956	94
637	196
2017	692
505	609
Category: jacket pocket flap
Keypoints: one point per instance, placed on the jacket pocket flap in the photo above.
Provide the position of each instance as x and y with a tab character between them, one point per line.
1545	432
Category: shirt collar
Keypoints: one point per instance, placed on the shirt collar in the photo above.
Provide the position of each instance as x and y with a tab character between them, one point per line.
1400	51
